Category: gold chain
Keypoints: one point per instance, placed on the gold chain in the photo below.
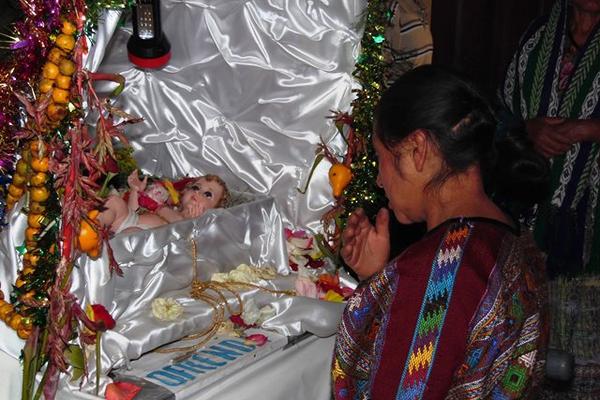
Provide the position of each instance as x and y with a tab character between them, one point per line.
213	294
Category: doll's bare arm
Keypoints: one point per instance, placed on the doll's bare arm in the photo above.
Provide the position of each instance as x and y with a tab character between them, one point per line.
136	186
169	214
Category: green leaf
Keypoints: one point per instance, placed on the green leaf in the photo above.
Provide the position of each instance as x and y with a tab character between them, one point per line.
74	354
312	170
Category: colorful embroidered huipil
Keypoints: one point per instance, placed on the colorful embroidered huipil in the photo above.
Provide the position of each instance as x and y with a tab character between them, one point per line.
414	330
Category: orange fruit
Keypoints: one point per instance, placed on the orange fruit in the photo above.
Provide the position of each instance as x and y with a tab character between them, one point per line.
19	180
60	96
15	191
23	333
56	112
36	144
6	310
38	179
15	321
88	238
68	28
35	221
65	42
22	168
30	235
27	271
10	201
39	164
39	194
66	67
46	85
63	81
36	208
50	70
56	55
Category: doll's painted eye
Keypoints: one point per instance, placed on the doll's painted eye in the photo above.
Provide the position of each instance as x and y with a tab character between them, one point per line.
208	194
195	188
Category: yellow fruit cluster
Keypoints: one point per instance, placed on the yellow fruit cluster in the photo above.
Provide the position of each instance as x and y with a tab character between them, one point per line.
21	324
57	73
31	175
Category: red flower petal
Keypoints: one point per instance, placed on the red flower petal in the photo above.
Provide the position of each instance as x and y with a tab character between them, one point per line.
121	391
239	321
101	315
258	339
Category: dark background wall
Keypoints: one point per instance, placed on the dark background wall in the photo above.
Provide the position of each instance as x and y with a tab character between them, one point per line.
479	37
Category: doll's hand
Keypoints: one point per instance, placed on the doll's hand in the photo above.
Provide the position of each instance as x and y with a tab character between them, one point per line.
193	210
134	182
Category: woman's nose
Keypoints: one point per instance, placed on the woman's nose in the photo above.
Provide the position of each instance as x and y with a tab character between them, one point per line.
378	181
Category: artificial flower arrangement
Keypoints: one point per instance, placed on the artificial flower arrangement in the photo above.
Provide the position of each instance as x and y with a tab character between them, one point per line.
316	277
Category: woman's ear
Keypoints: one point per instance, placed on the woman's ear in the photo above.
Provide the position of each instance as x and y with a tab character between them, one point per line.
420	148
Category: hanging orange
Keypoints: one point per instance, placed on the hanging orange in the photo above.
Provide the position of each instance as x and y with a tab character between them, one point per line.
56	55
35	221
50	70
46	85
68	28
15	191
65	42
5	310
22	167
88	238
63	81
60	96
30	235
339	177
19	180
36	208
39	194
15	321
24	333
66	67
38	179
39	164
56	112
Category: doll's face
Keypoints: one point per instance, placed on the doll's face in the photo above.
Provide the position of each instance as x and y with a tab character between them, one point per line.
200	196
158	193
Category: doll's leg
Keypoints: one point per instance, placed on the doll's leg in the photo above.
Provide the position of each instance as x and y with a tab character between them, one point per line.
114	213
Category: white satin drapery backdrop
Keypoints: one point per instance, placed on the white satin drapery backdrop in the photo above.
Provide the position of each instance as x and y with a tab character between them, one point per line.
246	95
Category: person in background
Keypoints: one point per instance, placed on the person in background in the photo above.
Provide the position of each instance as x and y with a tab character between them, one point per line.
459	314
409	43
552	87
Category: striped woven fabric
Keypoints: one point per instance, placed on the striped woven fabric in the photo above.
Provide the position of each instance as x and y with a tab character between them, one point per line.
433	312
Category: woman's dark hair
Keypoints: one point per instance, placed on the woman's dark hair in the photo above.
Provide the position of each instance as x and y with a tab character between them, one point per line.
462	124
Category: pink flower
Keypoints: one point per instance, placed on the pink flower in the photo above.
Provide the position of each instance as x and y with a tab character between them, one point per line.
305	287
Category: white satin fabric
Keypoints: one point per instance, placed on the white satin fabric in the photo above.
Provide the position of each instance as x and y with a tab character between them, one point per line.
246	95
158	263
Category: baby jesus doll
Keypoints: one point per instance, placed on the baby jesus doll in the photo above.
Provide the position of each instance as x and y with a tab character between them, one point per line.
161	203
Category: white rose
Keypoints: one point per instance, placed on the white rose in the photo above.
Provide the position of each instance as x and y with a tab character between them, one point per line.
166	309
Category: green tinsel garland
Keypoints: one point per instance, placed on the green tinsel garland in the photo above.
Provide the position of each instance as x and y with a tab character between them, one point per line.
370	67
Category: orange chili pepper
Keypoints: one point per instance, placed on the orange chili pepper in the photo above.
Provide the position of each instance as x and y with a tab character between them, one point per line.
339	177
